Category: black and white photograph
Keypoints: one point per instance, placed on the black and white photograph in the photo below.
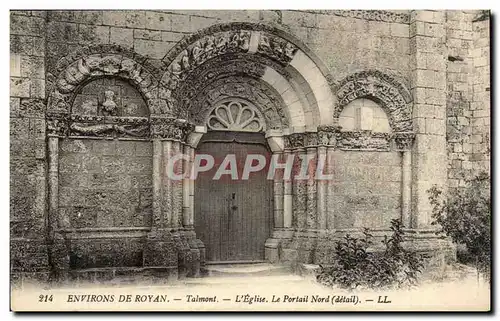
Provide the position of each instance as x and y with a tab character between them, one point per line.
250	160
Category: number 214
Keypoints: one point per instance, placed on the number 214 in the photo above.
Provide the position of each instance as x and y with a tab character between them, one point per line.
45	298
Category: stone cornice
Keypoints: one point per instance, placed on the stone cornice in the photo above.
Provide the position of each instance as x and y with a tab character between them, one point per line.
374	15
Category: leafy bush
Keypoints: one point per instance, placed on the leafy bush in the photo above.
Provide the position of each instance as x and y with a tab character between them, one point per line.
466	217
358	267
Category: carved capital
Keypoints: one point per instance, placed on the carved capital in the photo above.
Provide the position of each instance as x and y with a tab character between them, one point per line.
57	124
404	140
171	129
295	140
328	135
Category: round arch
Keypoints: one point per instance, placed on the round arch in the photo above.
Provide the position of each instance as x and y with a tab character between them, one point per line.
286	65
87	66
384	89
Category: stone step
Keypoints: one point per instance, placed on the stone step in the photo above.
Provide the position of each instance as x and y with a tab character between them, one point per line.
240	270
267	280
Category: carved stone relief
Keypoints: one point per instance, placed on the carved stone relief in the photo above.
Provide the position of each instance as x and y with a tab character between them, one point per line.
203	49
276	48
266	100
236	115
364	140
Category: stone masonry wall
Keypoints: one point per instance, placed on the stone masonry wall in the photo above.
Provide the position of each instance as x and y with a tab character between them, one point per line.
367	189
468	99
105	183
345	44
28	157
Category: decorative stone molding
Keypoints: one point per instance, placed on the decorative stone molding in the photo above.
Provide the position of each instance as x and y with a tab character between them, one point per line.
98	49
109	126
364	140
375	15
96	66
171	129
404	140
266	100
225	27
392	96
208	47
276	48
236	115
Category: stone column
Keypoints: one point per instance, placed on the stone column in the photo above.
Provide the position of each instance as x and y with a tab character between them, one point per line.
311	182
166	186
187	209
177	187
158	219
321	190
404	142
287	197
278	193
327	139
197	247
165	249
282	223
59	253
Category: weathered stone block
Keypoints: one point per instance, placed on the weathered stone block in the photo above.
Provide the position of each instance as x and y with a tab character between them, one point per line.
125	18
153	49
121	36
20	87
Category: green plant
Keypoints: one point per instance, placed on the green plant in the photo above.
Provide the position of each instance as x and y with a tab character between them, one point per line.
357	266
465	216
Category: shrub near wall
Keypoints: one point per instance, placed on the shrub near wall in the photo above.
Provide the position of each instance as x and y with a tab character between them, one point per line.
466	217
356	267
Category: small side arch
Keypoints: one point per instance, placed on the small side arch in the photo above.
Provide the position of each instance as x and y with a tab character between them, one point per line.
382	88
84	68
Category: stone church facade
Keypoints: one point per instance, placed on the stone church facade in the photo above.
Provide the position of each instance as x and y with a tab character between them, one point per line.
398	101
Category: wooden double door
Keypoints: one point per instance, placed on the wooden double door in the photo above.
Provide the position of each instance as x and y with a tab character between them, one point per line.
233	217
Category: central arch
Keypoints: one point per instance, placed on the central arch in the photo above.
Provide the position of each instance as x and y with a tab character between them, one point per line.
282	82
295	78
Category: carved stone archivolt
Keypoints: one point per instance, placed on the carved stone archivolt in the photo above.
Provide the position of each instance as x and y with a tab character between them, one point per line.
193	56
236	115
232	65
276	48
85	69
392	96
203	49
266	100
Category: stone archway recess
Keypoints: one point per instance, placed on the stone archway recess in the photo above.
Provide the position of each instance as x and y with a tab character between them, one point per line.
275	71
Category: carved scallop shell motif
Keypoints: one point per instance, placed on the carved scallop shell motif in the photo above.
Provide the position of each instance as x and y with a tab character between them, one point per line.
235	116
